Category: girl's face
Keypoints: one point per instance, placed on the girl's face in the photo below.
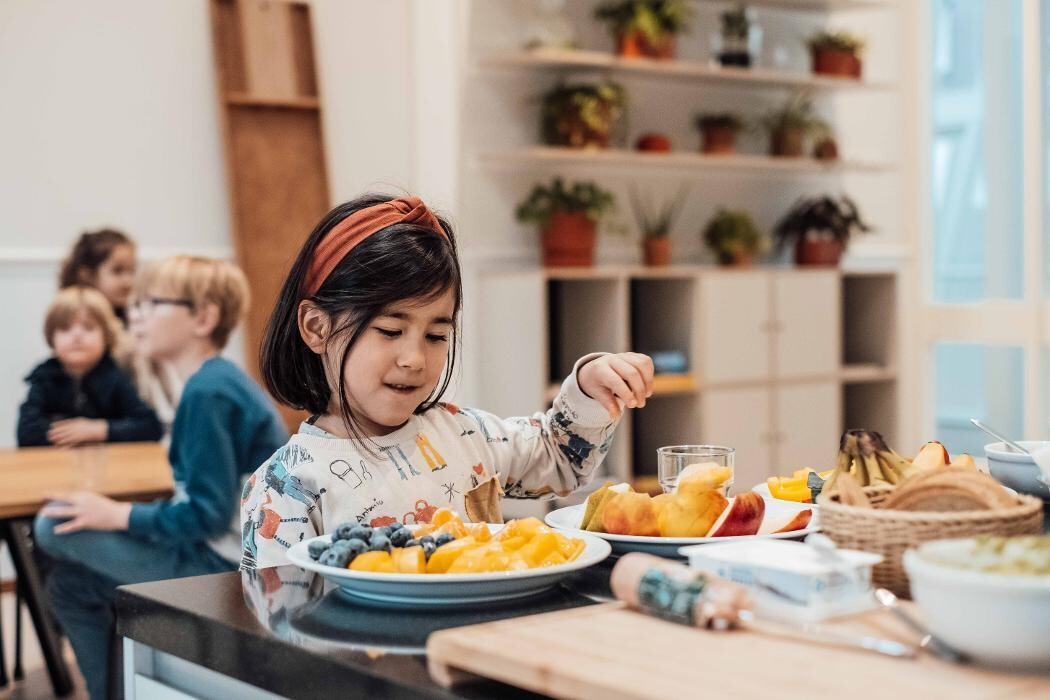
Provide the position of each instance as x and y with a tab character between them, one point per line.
395	363
115	277
80	346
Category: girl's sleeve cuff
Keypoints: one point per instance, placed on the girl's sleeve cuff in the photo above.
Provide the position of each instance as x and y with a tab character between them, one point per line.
580	408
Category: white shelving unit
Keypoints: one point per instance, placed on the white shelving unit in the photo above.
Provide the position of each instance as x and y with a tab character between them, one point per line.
549	156
545	59
780	360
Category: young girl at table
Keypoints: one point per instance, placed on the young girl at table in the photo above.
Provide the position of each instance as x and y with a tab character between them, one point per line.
105	260
224	428
363	337
80	395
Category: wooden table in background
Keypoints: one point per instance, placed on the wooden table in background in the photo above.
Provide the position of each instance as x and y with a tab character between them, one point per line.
126	472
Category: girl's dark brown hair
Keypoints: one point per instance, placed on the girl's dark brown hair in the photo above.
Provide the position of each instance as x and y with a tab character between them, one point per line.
89	252
402	261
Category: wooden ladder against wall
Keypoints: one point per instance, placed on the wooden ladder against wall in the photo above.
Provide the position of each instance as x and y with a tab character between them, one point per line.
270	110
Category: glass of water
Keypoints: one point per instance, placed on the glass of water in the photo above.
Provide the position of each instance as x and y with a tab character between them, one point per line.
673	460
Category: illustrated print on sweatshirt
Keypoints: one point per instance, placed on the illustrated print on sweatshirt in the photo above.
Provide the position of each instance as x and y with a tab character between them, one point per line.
317	481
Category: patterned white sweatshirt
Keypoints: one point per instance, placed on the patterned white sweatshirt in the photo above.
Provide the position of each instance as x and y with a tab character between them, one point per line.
317	481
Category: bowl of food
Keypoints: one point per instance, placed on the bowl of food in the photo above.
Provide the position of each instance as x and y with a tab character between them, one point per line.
988	597
1016	469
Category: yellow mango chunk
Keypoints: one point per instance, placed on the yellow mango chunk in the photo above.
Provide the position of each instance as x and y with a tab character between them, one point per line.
512	543
537	549
372	561
570	548
552	559
479	531
410	560
444	555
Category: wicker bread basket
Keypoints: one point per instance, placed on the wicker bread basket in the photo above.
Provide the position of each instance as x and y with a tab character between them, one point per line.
891	532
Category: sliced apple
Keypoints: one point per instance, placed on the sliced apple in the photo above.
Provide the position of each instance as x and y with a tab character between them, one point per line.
594	512
742	517
933	454
698	478
798	521
629	513
690	516
964	460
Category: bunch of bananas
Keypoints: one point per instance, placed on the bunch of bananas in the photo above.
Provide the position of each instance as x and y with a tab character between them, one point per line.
865	456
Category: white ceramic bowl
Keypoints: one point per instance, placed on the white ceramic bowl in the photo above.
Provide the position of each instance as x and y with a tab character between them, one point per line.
998	620
1016	470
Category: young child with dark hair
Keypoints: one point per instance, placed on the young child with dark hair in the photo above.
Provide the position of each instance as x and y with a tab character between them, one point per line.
80	395
105	260
224	427
363	337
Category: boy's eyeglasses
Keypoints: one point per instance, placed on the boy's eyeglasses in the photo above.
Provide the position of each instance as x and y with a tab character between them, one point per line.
147	304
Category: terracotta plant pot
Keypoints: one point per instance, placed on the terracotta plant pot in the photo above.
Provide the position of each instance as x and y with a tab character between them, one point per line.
833	62
635	45
653	142
658	251
568	240
827	149
717	140
787	143
818	251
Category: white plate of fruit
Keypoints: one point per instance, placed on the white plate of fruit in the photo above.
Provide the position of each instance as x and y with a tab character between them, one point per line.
448	562
697	512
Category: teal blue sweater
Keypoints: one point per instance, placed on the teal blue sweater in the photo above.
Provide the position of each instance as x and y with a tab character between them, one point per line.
224	428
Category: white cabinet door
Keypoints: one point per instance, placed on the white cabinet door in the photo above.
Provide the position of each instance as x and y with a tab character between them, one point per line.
734	322
807	308
808	419
740	418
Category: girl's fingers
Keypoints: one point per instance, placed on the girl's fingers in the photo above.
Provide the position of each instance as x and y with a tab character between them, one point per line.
59	512
615	383
608	401
644	365
630	374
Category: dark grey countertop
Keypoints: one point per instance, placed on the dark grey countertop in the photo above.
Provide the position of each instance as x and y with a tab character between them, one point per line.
288	631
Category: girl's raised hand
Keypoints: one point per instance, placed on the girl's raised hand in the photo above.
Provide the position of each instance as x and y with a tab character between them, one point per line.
615	381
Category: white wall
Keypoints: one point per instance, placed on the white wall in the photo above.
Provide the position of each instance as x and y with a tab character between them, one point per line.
109	118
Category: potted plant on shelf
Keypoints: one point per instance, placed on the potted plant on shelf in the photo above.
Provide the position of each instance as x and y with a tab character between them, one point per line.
789	125
653	142
836	53
825	145
646	28
568	218
733	237
656	228
582	116
820	229
718	132
738	38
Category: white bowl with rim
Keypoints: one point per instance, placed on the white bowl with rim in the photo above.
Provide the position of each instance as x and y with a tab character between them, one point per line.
999	620
1017	470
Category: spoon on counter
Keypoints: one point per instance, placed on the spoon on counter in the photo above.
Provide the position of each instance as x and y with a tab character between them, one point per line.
1006	441
937	647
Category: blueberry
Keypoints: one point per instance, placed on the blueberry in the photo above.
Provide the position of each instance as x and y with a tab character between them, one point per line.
412	543
317	548
428	548
361	532
380	543
336	558
357	547
398	538
444	538
342	545
384	531
396	526
426	538
343	531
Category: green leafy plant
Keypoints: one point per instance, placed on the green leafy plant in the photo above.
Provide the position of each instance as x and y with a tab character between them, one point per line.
836	41
657	224
827	216
650	18
581	115
584	197
732	235
796	113
720	121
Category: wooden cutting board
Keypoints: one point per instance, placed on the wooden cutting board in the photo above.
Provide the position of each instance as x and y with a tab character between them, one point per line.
606	651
